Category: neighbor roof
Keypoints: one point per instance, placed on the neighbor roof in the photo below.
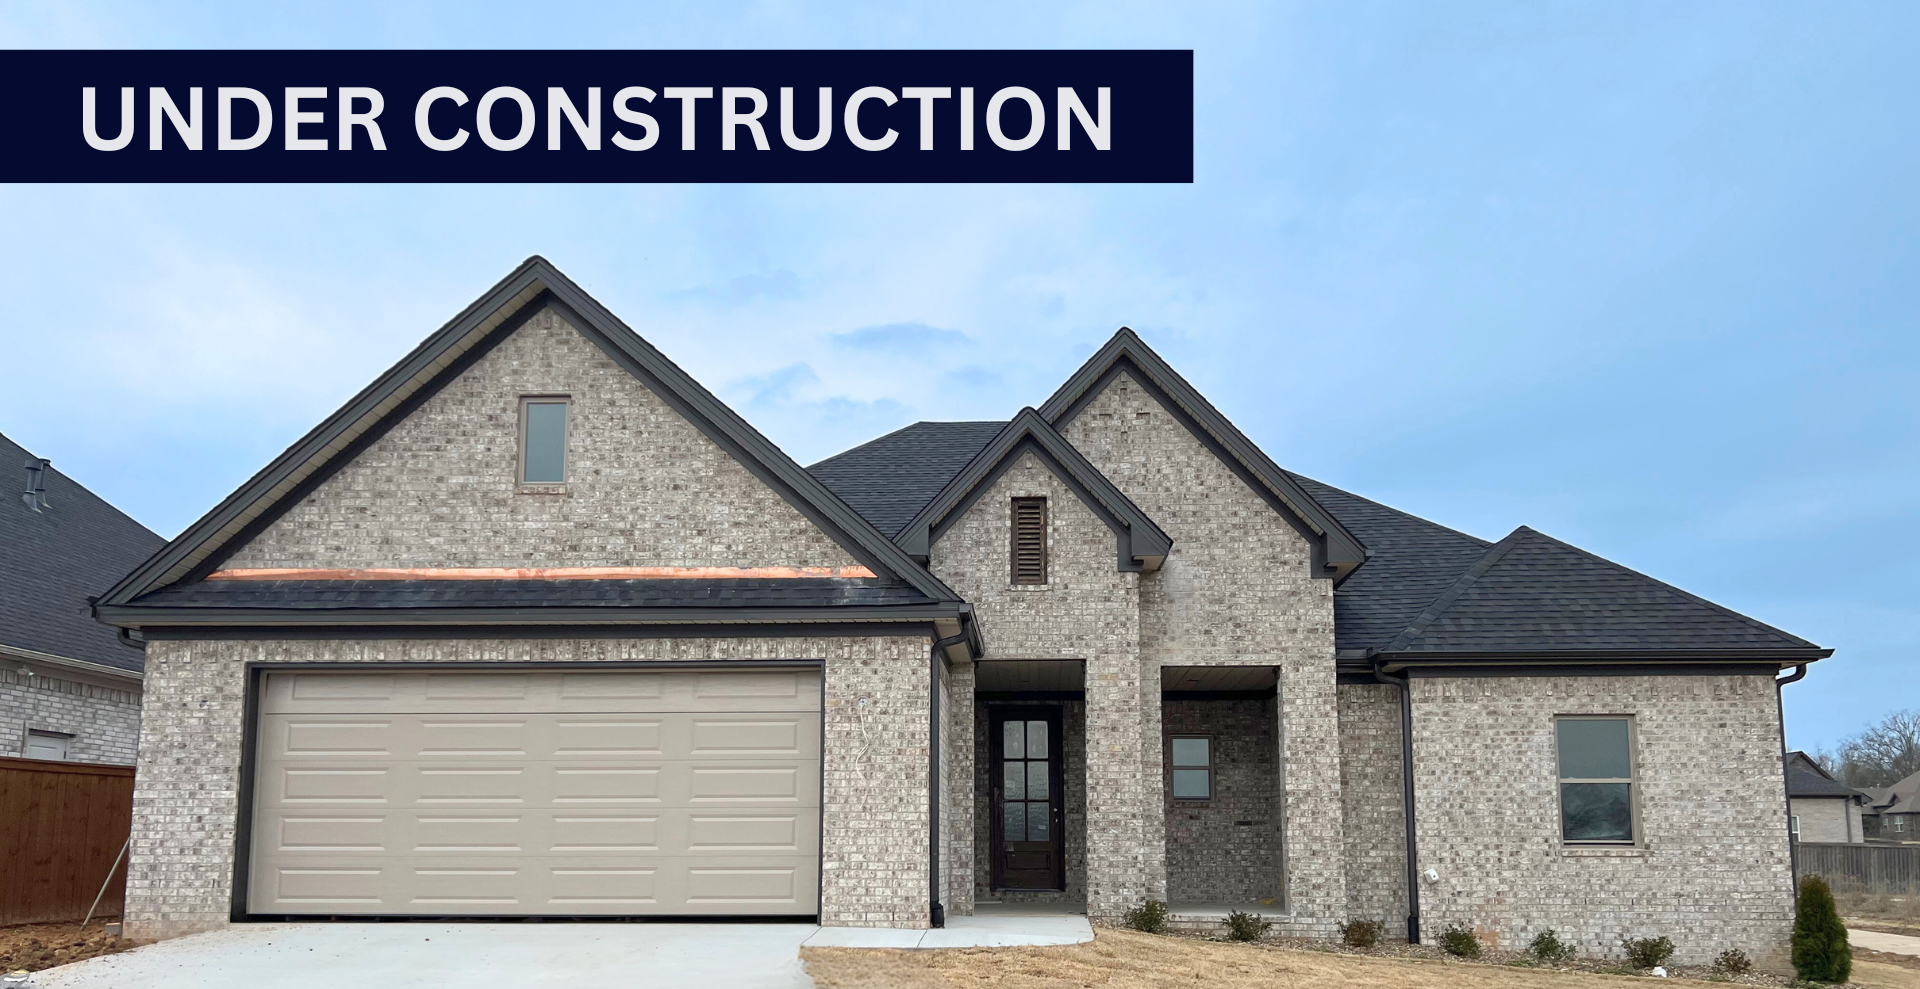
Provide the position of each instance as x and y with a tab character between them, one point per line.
1805	778
52	560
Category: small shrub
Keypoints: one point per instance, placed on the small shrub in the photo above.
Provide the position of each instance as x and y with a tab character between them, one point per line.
1732	961
1820	950
1150	917
1243	926
1361	933
1460	942
1647	952
1548	949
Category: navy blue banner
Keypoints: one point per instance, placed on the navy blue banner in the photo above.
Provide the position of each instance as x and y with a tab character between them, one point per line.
597	116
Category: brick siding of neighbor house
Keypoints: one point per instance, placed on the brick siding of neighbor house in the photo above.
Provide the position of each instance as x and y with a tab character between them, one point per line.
103	720
1237	589
186	796
1827	818
1226	850
1088	610
1713	871
1073	746
646	487
1372	791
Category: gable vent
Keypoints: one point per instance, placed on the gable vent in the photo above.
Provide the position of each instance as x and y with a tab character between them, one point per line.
1029	540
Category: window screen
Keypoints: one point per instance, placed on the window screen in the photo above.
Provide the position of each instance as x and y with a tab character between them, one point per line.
543	442
1192	763
1029	540
1596	780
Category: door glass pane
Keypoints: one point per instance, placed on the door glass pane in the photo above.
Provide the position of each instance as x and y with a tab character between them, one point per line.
1190	751
1039	821
1013	734
1037	781
1191	784
1015	774
1594	748
1036	740
1015	821
1596	811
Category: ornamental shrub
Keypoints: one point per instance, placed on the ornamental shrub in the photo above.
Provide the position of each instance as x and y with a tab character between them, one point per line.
1820	950
1647	952
1361	933
1150	917
1732	961
1242	926
1460	942
1548	949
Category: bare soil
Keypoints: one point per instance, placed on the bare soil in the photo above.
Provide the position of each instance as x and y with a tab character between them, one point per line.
1119	959
36	946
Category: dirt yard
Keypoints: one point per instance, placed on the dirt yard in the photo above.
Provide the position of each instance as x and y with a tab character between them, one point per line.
37	946
1129	960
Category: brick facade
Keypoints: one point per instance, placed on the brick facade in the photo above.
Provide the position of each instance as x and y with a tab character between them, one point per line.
1372	792
1226	850
1712	870
1833	819
103	720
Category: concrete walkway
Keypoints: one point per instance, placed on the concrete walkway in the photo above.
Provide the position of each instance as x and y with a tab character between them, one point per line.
984	930
1895	944
454	956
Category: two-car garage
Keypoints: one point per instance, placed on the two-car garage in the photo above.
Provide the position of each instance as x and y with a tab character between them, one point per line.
535	792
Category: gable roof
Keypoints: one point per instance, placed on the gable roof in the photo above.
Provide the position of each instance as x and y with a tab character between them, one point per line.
891	478
1336	551
534	285
1902	797
1532	596
1141	544
1805	778
53	560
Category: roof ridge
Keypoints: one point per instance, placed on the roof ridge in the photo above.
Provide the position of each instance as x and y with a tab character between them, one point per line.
1432	612
1695	598
888	435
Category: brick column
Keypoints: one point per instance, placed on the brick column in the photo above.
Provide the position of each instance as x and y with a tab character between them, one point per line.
958	795
1309	766
1120	796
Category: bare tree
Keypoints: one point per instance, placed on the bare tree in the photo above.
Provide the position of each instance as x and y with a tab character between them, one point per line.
1883	754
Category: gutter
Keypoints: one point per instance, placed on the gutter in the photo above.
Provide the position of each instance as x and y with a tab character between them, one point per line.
1406	793
77	665
936	913
1780	709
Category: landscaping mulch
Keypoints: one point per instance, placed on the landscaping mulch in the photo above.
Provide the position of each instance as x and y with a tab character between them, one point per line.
36	946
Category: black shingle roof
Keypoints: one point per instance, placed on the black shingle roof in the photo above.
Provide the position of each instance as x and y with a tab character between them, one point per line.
890	479
805	592
1805	779
52	560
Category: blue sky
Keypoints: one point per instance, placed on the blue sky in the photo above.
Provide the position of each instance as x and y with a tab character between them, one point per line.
1641	276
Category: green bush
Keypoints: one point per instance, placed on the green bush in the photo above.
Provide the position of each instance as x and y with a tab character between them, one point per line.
1820	951
1647	952
1732	961
1460	942
1361	933
1548	949
1150	917
1243	926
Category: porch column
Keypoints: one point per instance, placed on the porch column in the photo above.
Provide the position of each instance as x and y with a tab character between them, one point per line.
1311	814
1123	798
957	793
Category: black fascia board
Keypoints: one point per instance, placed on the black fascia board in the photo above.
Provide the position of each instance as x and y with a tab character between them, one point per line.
1335	548
534	285
1138	539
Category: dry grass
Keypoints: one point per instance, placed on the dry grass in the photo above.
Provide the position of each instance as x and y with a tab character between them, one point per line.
1900	909
37	946
1127	960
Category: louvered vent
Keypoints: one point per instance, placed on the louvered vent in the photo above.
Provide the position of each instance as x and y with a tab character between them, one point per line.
1029	540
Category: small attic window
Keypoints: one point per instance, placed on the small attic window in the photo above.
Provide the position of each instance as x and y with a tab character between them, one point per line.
1029	540
543	440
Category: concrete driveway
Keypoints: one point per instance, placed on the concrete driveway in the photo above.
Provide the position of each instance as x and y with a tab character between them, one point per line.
455	956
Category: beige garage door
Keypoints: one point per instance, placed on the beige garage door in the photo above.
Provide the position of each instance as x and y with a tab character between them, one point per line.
537	793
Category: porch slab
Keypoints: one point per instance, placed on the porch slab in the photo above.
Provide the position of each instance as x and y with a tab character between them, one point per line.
993	930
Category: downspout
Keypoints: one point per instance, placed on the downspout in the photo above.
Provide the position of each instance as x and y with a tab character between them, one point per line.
1780	709
936	914
1406	792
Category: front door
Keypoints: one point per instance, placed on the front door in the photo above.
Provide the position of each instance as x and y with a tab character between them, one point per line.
1027	818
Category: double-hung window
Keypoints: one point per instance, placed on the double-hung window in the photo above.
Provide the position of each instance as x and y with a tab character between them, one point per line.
1597	783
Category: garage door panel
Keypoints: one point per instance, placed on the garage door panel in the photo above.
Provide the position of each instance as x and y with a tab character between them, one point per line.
421	809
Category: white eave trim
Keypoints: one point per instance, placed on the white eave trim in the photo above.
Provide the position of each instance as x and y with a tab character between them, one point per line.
62	662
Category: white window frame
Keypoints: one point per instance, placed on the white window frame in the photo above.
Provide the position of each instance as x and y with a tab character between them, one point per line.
1793	826
1632	780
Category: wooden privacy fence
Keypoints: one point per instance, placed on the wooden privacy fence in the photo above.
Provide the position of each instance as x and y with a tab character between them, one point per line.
1878	868
61	827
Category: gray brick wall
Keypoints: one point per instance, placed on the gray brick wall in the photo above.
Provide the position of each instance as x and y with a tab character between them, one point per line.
1371	790
1713	869
646	488
958	792
1827	818
186	793
104	721
1226	850
1236	590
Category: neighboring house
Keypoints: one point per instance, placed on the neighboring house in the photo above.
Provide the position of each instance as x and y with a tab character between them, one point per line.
1893	812
1819	807
535	625
69	689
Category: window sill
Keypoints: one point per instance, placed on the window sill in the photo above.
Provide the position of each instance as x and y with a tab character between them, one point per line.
1605	851
541	489
1027	588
